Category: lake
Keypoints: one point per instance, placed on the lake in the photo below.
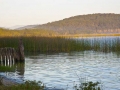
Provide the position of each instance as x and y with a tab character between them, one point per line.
65	70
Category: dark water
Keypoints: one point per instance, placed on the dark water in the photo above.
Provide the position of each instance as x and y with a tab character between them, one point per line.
63	70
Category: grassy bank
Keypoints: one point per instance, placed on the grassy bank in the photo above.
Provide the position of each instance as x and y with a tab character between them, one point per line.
89	35
58	44
33	85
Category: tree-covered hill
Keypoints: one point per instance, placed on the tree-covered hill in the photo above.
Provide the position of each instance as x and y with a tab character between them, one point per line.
82	24
85	24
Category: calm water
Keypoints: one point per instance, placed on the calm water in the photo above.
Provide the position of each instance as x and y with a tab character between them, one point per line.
63	70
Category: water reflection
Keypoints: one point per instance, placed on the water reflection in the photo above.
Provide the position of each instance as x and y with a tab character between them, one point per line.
63	70
14	71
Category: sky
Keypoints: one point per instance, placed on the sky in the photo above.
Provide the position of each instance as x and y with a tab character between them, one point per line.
30	12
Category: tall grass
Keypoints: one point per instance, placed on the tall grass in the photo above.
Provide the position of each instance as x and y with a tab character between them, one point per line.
6	69
58	44
45	44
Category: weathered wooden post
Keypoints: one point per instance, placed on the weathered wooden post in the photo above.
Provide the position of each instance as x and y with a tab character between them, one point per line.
3	55
9	52
5	51
21	51
12	55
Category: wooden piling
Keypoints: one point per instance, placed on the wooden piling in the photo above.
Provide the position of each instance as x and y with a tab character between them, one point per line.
21	50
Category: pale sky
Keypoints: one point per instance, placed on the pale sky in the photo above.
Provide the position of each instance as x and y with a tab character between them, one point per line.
29	12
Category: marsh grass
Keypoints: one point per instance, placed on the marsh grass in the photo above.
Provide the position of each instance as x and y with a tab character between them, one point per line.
12	68
59	44
6	69
44	44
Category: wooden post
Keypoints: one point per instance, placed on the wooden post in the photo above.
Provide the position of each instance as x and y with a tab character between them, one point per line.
21	50
3	54
5	49
12	55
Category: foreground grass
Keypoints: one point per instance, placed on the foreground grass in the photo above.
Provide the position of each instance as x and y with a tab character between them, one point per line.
28	85
58	44
88	86
33	85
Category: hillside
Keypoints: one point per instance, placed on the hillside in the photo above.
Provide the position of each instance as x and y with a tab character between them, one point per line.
27	27
85	24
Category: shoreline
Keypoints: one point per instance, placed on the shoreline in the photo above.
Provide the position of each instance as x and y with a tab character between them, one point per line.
4	81
8	81
67	36
88	35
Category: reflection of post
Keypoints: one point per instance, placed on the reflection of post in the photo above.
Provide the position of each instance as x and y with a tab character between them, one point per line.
20	68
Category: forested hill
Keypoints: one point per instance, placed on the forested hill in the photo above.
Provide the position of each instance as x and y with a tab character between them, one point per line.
91	23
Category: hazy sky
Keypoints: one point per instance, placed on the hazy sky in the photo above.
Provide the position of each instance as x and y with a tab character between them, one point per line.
27	12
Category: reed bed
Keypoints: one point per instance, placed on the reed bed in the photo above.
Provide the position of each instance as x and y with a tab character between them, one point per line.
59	44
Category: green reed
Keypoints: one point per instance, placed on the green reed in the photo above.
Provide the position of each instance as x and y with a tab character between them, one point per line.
6	69
58	44
44	44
